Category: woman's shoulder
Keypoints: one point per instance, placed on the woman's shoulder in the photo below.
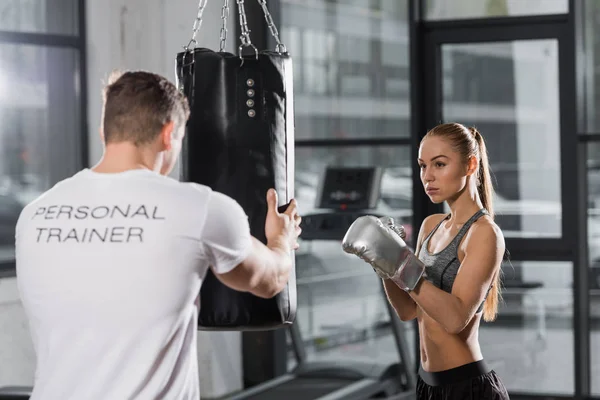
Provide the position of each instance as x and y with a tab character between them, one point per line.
485	231
429	223
432	220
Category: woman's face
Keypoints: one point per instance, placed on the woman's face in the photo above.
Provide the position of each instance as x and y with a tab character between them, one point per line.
443	172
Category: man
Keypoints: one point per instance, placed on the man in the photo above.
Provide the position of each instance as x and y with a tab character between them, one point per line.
110	261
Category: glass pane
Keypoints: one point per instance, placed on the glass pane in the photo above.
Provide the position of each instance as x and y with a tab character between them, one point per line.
351	67
461	9
593	180
40	131
509	91
342	310
592	66
530	345
40	16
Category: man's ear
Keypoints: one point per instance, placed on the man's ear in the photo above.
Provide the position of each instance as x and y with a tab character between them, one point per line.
166	135
472	166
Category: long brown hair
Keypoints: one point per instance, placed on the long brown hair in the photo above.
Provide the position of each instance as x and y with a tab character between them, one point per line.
469	142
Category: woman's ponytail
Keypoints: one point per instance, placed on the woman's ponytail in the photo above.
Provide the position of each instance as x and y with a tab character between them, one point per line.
486	194
484	184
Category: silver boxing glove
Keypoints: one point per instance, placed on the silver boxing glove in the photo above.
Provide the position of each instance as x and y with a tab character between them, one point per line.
398	229
390	223
376	243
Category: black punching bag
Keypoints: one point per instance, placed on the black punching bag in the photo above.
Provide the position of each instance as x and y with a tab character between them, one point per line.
240	142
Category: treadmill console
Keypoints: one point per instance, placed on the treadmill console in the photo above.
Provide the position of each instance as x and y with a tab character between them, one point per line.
344	195
350	188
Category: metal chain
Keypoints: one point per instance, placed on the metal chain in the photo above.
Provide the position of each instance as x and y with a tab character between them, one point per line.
224	16
280	48
245	32
197	24
245	35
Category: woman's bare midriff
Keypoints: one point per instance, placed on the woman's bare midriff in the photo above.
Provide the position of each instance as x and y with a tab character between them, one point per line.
441	350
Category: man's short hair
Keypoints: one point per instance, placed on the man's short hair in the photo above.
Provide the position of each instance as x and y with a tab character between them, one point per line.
137	104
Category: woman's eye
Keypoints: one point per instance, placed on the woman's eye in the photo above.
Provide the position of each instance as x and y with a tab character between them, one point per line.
439	165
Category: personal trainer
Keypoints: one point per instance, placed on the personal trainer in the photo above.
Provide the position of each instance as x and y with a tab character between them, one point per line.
110	261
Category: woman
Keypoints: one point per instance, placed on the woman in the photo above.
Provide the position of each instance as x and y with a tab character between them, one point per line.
462	252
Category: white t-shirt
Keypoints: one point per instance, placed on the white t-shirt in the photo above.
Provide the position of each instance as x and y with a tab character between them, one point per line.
109	268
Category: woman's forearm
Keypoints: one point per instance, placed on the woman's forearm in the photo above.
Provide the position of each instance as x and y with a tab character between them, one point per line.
445	308
405	306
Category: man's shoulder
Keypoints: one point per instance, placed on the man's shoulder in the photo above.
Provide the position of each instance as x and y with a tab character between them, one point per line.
196	188
172	184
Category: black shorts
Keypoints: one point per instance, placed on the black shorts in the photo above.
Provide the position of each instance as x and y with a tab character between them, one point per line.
467	382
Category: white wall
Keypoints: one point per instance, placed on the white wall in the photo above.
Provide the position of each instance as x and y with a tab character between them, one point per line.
131	34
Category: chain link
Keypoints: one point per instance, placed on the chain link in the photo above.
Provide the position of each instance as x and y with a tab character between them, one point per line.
224	16
280	48
245	32
197	24
245	35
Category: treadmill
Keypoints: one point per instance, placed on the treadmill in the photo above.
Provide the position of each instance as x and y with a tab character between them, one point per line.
344	195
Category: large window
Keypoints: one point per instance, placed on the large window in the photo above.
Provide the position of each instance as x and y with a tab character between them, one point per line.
509	91
593	226
41	134
42	139
60	17
591	62
351	67
591	128
351	70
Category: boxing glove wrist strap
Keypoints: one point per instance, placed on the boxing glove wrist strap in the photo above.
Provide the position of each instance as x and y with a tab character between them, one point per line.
409	274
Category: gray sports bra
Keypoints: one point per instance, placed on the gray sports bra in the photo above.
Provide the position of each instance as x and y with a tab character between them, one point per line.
443	266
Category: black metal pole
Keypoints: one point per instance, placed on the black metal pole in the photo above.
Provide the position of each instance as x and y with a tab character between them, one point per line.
572	70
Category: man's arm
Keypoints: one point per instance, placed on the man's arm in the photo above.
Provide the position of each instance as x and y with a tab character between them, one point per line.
239	260
483	255
405	306
264	272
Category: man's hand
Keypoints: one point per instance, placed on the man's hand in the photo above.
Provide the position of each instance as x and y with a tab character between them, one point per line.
282	229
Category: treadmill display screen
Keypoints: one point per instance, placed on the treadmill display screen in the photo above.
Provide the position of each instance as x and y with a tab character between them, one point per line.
350	188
